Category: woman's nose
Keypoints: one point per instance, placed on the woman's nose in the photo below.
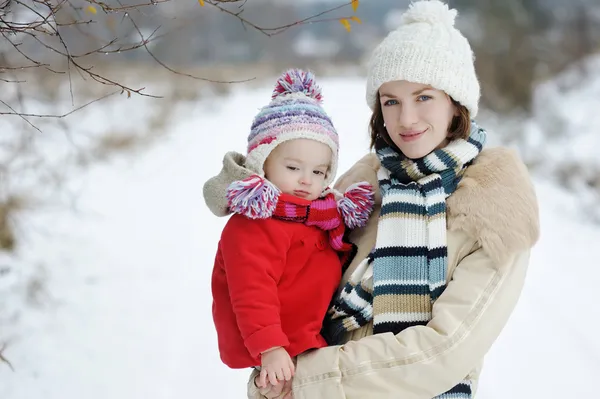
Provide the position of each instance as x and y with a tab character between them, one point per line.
408	116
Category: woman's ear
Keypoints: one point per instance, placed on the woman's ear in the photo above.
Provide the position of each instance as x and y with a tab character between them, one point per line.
454	107
456	110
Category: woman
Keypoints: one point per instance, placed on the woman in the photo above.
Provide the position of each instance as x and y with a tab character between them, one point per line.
441	263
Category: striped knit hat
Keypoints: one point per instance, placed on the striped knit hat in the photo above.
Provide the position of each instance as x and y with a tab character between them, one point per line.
295	112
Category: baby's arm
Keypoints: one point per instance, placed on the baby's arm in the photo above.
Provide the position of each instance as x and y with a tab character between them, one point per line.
254	255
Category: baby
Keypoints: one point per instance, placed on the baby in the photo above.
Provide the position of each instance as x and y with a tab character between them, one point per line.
281	254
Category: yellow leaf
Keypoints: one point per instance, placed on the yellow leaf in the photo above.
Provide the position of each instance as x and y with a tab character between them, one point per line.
356	19
345	23
354	5
91	9
201	2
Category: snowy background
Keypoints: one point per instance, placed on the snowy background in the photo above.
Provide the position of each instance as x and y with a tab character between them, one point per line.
123	307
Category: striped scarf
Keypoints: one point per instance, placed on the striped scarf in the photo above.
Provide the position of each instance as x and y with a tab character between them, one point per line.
396	285
322	213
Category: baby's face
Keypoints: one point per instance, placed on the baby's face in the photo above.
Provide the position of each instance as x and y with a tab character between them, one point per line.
299	167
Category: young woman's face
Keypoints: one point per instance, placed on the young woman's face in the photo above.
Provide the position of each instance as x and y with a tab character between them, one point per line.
417	116
299	167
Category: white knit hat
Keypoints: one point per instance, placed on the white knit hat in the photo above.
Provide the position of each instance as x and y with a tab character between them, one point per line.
426	49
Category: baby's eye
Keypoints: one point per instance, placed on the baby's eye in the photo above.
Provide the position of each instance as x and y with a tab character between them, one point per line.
319	173
292	168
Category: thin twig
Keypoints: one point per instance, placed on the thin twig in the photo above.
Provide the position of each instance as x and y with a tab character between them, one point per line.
173	70
276	30
20	115
57	116
3	359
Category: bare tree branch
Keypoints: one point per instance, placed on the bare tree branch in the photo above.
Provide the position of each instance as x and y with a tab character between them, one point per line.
46	22
279	29
144	41
57	116
22	116
4	359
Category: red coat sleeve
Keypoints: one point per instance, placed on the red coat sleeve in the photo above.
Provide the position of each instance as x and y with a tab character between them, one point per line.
254	255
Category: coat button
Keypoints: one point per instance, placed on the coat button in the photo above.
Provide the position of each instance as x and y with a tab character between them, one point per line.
321	244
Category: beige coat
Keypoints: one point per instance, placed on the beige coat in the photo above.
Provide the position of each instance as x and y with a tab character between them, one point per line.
492	224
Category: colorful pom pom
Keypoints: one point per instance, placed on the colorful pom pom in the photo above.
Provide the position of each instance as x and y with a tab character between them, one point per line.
297	81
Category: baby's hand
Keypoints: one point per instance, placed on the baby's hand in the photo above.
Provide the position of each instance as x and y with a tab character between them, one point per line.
276	366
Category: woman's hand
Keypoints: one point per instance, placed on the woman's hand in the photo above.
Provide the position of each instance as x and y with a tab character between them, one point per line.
282	390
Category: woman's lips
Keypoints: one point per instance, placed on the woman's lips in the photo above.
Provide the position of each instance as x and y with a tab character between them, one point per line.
412	135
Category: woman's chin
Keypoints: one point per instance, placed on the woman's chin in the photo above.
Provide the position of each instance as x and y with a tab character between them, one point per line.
415	153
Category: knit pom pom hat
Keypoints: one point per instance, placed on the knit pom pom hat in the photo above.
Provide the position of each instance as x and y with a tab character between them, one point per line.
426	48
295	112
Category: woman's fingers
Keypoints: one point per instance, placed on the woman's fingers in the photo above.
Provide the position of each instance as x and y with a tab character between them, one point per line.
274	392
288	387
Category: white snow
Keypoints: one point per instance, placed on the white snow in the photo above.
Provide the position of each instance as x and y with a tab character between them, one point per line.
126	309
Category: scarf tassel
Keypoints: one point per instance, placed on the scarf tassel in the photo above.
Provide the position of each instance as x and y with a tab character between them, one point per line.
357	204
253	197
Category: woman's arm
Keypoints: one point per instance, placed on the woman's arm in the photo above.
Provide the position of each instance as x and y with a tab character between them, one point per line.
365	169
424	361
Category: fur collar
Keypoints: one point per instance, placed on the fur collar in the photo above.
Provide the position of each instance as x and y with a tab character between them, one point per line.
495	202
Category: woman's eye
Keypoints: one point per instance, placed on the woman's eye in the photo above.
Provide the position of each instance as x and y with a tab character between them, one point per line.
423	97
390	102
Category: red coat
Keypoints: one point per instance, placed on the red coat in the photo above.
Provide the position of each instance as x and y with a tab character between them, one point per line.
272	284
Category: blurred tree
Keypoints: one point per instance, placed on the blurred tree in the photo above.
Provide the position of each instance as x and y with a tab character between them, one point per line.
69	37
521	42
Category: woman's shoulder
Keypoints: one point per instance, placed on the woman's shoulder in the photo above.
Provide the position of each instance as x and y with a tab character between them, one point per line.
496	204
365	169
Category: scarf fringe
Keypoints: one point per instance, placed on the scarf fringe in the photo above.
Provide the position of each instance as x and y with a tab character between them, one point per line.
253	197
357	204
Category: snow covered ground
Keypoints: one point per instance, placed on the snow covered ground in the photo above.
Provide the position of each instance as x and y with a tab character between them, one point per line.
126	308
